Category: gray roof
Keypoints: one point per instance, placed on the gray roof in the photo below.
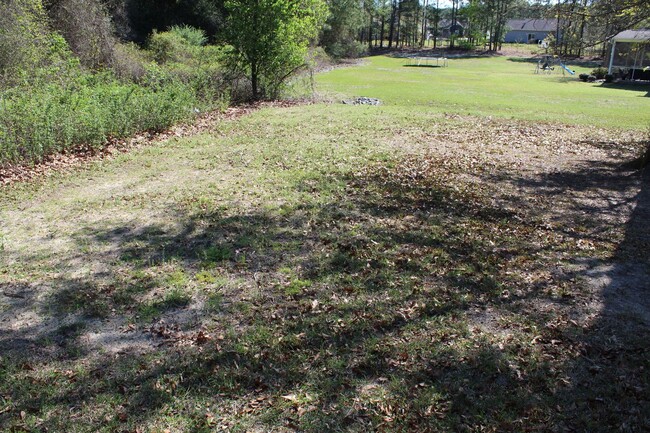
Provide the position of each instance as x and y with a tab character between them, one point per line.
533	25
633	36
445	24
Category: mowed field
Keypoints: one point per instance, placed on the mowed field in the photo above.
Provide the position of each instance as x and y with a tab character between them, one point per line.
504	87
471	255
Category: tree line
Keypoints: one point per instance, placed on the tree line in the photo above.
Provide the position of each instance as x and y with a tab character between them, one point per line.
86	71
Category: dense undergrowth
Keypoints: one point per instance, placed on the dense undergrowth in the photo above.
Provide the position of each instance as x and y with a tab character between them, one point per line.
57	93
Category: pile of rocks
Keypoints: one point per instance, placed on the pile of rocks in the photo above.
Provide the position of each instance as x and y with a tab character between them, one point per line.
362	101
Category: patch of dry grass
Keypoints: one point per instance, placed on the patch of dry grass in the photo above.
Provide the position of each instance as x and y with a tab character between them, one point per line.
332	268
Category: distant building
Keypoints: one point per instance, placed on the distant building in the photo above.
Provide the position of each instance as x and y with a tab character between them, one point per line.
446	29
529	31
630	55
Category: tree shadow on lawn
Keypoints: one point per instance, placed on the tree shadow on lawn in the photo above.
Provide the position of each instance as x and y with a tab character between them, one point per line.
574	62
423	66
406	303
641	88
608	377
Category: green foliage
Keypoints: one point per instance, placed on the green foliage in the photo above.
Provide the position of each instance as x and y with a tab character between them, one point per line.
191	35
338	35
181	55
346	49
599	73
25	42
270	39
464	44
51	117
166	47
137	19
87	29
49	103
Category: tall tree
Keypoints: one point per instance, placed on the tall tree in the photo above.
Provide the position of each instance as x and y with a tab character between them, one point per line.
393	17
270	39
344	22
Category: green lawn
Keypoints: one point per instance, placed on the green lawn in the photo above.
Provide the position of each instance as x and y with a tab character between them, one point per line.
335	268
499	86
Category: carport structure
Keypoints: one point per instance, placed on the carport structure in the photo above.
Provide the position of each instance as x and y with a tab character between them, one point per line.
630	51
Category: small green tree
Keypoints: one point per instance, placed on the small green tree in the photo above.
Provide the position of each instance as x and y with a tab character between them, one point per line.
270	39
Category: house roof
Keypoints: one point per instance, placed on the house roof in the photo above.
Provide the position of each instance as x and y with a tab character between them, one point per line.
533	25
633	36
445	24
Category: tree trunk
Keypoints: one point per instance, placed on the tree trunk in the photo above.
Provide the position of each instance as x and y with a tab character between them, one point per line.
435	25
255	81
398	39
391	33
381	36
370	33
454	10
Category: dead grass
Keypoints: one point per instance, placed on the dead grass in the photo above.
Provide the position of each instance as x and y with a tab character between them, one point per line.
332	268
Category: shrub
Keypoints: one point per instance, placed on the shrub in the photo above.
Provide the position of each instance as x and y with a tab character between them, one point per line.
464	44
129	62
609	78
347	49
40	120
166	47
24	38
49	103
583	77
86	27
599	73
191	35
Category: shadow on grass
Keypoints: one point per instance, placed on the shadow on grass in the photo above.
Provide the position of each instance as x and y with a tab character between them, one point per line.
532	60
641	88
423	66
573	62
415	305
606	377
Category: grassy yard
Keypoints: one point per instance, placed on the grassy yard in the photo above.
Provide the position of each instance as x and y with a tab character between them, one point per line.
504	87
417	266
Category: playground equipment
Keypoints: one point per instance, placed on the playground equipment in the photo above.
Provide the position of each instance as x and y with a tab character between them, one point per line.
548	63
563	66
428	61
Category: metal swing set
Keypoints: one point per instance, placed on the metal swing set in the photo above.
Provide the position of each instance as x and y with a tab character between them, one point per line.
547	64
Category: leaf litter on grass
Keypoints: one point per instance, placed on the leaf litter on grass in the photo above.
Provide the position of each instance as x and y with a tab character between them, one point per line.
438	289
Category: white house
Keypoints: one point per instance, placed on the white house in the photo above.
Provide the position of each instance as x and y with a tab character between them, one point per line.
631	52
529	31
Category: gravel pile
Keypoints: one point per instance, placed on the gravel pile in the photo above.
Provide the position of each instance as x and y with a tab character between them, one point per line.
362	101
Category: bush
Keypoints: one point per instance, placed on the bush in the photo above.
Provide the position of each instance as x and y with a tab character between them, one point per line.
40	120
599	73
166	47
129	62
464	44
86	27
192	36
25	42
583	77
609	78
347	50
49	103
179	44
